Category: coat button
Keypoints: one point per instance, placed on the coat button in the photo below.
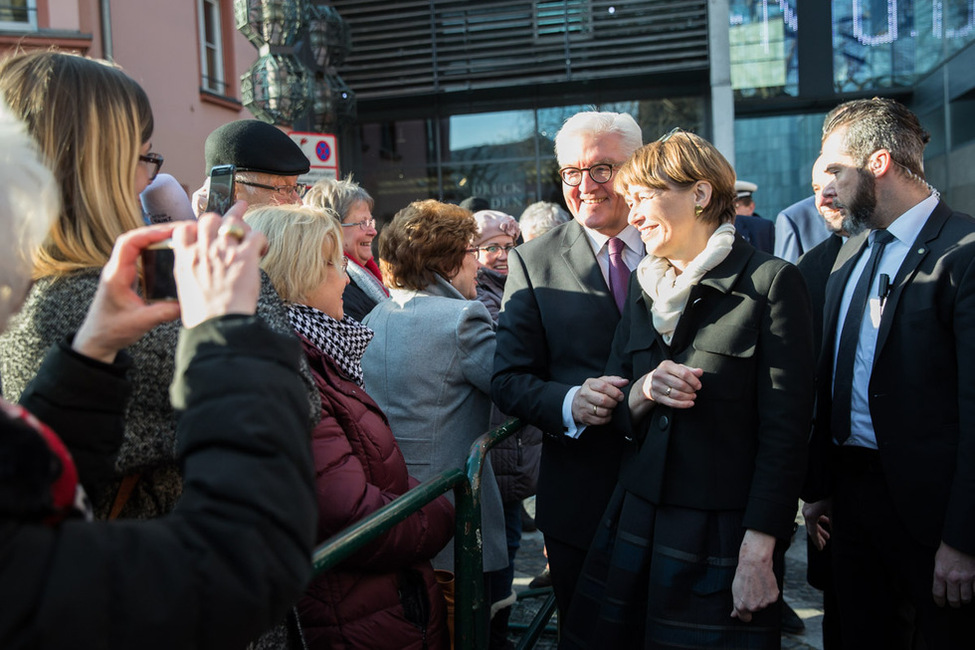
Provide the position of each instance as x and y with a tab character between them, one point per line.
664	421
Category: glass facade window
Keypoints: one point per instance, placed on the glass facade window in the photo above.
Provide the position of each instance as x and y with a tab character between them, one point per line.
506	157
764	48
890	44
777	153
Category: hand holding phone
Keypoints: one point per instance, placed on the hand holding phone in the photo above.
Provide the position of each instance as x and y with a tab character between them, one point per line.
158	281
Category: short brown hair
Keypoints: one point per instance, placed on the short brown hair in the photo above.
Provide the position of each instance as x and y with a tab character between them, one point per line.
681	158
425	239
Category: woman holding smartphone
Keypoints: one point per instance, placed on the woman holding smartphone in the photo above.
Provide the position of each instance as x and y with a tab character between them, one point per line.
93	126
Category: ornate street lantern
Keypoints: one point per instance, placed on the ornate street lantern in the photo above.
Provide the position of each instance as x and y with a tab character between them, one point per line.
328	35
276	88
269	22
335	104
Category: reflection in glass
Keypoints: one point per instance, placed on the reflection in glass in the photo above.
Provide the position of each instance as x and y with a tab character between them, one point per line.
889	44
764	48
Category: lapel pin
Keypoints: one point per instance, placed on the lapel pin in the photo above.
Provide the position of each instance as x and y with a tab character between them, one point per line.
920	251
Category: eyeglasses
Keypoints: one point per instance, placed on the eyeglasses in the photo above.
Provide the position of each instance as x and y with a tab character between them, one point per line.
284	190
494	249
365	224
601	173
154	161
344	264
472	251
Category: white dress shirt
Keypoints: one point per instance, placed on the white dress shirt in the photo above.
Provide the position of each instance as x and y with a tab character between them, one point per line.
905	230
633	252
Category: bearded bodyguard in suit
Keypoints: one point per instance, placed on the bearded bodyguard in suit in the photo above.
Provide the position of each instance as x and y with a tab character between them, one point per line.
893	446
562	302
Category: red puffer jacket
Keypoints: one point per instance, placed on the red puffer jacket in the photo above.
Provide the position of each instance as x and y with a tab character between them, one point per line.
384	596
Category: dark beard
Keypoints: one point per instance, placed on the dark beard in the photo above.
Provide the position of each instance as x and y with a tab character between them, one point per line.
859	213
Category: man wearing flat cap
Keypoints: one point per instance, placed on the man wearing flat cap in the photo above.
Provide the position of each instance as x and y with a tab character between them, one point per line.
268	163
757	231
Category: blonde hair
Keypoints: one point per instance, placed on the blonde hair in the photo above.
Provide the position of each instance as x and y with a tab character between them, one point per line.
302	242
90	121
28	205
682	158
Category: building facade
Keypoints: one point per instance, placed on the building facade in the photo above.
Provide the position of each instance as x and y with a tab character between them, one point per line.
458	98
186	54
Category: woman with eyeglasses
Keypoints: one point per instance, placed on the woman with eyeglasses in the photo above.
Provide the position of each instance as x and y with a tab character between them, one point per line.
353	205
385	596
92	124
429	366
716	342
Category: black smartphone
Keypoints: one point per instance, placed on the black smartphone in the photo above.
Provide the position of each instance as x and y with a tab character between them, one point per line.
221	194
158	281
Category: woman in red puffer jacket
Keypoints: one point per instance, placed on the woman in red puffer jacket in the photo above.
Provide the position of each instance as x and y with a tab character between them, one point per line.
385	595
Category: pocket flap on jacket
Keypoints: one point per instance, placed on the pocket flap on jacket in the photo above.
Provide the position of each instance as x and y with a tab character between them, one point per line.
729	340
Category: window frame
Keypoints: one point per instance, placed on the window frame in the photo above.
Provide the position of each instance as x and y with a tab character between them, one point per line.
16	26
215	82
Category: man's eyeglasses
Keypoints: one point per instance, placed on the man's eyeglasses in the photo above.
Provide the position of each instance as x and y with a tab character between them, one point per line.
284	190
494	249
601	173
154	162
365	224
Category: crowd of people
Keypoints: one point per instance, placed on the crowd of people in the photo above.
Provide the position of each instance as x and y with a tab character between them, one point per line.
167	467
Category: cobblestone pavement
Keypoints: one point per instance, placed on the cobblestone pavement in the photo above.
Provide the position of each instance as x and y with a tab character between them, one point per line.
806	601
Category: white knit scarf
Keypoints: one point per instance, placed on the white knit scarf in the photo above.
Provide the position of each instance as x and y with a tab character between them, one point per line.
344	341
669	291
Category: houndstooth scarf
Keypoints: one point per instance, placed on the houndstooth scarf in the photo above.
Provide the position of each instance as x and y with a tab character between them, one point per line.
344	341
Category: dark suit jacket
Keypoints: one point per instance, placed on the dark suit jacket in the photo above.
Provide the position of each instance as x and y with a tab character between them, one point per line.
815	267
757	231
922	388
554	332
742	446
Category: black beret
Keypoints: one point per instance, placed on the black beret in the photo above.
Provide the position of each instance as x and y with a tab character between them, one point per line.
475	204
255	146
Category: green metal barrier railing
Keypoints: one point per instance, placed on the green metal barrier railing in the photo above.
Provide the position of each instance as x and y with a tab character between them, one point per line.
470	611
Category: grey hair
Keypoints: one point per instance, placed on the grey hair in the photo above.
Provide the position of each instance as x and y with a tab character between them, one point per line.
540	217
337	195
29	203
592	123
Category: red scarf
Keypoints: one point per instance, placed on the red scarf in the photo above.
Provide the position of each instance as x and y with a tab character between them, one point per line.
67	496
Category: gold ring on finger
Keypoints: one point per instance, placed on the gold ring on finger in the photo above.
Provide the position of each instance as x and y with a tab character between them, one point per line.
236	231
667	392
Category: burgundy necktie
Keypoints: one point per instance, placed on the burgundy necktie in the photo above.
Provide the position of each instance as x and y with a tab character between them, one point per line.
619	273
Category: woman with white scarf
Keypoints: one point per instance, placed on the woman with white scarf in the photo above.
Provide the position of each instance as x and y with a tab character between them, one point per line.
716	341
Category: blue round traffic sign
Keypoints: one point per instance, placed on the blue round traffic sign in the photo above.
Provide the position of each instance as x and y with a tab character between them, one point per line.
323	151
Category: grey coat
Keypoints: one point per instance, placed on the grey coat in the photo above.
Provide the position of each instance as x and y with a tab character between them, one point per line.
55	309
429	369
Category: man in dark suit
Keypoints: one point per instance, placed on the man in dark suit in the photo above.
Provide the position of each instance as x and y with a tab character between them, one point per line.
893	448
757	231
815	266
558	317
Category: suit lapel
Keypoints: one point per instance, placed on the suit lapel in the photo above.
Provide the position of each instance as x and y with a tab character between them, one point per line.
846	259
918	251
582	267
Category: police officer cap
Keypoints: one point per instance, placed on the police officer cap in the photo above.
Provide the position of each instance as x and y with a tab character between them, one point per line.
744	188
255	146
